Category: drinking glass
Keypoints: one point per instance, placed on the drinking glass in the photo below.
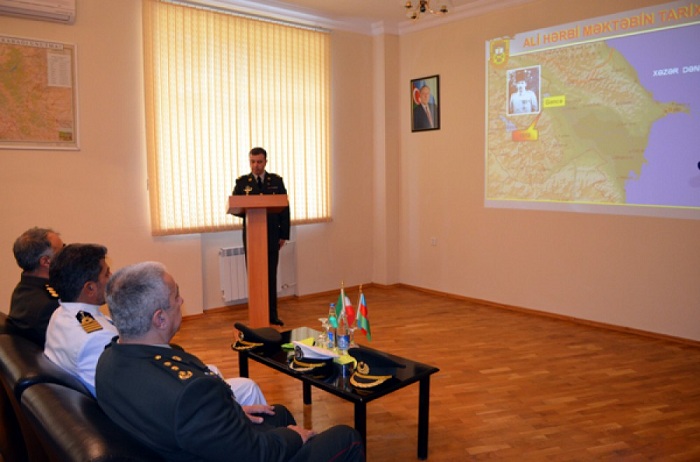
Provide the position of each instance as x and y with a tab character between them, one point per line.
351	332
322	339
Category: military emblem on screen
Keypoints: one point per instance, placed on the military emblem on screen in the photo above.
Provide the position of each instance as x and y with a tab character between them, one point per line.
499	52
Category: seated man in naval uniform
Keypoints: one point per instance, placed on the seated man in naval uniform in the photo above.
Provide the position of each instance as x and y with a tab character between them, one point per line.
78	330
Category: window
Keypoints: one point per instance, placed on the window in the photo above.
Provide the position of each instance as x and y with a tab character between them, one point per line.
217	85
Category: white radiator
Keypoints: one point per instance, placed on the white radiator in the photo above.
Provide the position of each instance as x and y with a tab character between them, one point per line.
287	270
234	278
233	274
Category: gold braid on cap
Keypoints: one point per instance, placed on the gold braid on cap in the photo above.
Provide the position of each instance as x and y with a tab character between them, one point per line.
377	380
309	365
242	345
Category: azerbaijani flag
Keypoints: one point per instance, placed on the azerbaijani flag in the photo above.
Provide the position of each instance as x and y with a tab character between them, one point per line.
362	321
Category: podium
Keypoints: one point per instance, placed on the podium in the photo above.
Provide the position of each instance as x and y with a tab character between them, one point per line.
255	208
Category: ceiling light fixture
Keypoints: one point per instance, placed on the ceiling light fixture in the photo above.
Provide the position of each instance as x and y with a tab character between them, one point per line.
421	7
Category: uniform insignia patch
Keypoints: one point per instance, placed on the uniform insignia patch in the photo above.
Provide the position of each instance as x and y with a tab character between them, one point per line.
51	291
88	322
171	363
362	367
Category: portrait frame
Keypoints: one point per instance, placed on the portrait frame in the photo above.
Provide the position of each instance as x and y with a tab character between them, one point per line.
530	77
422	119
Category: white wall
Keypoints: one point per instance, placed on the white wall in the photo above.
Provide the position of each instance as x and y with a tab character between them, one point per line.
98	194
392	190
637	272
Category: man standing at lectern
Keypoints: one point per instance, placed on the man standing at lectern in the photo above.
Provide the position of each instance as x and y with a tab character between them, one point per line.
258	181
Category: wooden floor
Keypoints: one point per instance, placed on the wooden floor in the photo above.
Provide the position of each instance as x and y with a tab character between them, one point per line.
512	386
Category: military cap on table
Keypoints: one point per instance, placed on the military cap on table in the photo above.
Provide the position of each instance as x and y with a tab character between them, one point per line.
311	360
373	368
249	338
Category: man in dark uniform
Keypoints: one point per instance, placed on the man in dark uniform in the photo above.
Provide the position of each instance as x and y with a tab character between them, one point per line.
34	300
170	401
258	181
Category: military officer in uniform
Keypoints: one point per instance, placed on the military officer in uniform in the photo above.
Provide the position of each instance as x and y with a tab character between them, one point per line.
259	181
170	401
78	330
33	299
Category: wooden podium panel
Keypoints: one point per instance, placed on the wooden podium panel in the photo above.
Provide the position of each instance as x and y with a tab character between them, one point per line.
255	208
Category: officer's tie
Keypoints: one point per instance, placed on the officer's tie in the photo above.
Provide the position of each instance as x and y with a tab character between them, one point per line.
260	183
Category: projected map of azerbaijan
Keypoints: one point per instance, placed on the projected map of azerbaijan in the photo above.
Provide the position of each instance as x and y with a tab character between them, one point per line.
618	123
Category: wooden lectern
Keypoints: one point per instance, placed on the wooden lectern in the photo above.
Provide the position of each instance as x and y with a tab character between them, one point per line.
256	209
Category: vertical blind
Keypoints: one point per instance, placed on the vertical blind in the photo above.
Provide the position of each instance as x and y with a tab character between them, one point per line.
217	85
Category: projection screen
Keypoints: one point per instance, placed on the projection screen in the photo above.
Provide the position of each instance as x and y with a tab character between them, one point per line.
598	116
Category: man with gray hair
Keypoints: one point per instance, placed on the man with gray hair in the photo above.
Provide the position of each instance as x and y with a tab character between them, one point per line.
33	299
170	401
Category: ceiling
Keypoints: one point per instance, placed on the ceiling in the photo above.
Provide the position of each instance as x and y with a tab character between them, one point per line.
366	16
369	11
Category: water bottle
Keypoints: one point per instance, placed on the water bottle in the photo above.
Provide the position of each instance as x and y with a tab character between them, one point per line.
331	327
343	334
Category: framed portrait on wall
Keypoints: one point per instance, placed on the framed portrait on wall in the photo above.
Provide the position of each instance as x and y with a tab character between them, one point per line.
425	103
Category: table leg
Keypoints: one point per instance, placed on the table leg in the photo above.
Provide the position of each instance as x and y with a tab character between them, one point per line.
423	414
307	392
242	364
361	421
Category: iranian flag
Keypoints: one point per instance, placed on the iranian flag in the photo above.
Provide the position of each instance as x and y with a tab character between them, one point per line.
344	304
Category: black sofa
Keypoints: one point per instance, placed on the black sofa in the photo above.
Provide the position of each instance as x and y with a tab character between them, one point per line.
49	415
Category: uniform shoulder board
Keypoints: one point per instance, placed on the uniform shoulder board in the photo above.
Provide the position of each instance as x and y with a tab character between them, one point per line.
88	322
180	369
52	292
274	175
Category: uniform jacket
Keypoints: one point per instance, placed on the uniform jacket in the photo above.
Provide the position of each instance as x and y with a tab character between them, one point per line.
277	223
173	403
33	301
76	337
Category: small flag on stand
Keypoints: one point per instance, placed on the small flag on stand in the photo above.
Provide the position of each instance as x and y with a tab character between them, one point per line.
340	304
344	304
362	320
349	311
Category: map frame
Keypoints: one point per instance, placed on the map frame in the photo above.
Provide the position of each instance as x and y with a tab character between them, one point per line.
52	122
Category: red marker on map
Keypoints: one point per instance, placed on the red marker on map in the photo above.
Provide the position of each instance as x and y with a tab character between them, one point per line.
529	133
